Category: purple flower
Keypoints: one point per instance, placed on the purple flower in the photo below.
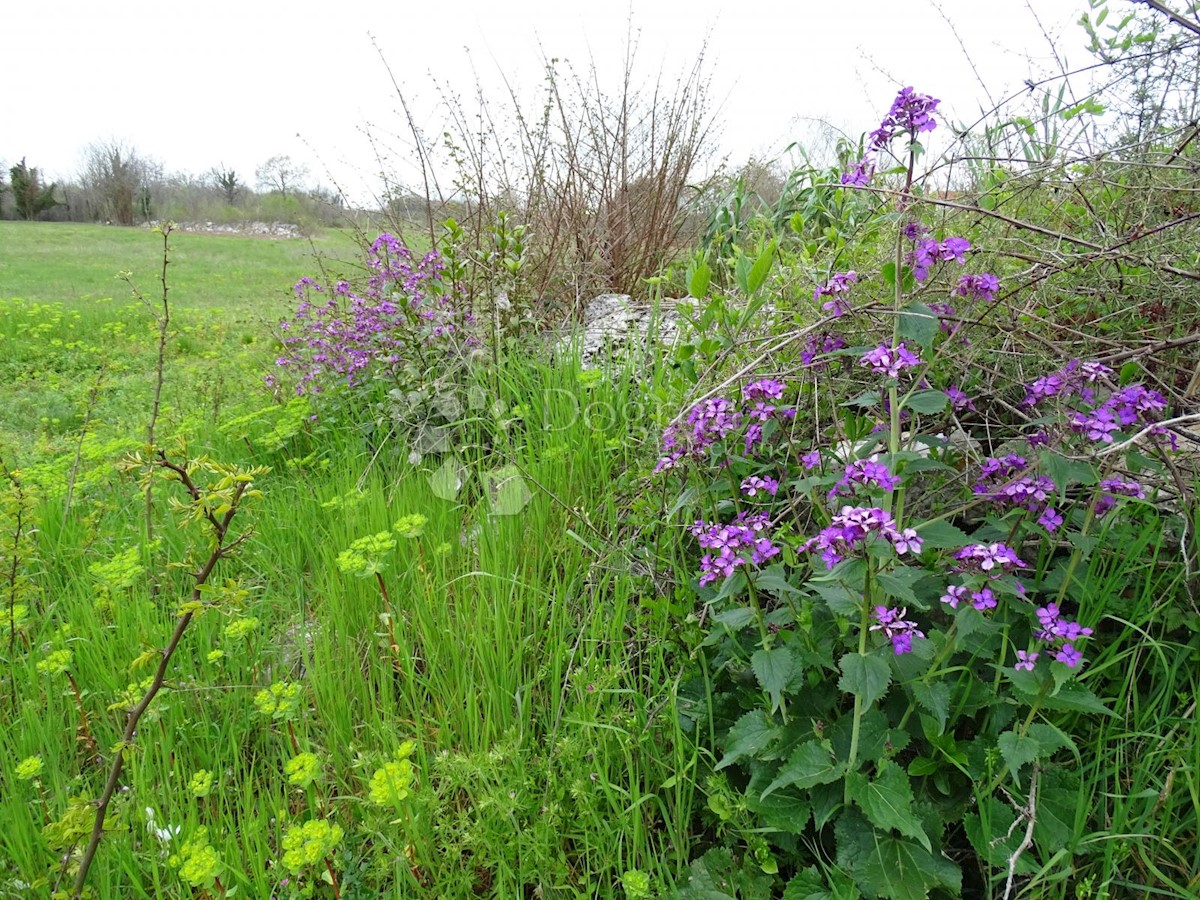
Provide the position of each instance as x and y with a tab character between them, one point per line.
991	559
865	473
955	594
894	626
1025	660
979	287
819	344
752	485
860	175
958	400
890	361
836	288
915	231
983	599
1050	519
811	460
763	389
850	529
911	113
1069	656
1060	634
929	252
1098	425
733	545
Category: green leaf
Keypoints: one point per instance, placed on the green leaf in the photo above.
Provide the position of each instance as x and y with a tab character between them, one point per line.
774	581
806	885
741	272
1018	750
840	599
773	668
887	800
941	534
699	278
1074	697
867	677
735	619
865	399
885	866
749	737
785	810
762	266
810	764
927	402
1059	798
919	323
934	699
711	877
898	584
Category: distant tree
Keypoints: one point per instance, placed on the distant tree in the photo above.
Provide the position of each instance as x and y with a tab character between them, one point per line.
227	182
31	196
281	175
118	180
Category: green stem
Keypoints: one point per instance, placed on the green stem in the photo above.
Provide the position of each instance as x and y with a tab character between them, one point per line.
863	627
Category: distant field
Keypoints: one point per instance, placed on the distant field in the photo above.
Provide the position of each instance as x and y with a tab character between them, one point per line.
51	262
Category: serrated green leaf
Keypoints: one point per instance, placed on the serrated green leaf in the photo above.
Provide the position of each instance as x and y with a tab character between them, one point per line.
749	737
773	668
919	323
785	810
898	584
1018	750
886	866
735	619
887	800
934	699
1074	697
927	402
711	877
867	677
810	764
840	599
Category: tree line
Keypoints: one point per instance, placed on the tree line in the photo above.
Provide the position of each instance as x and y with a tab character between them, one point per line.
118	185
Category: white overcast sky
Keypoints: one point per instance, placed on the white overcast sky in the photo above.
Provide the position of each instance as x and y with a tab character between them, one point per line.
196	84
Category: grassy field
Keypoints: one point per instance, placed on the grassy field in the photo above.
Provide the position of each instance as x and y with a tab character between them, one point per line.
516	644
67	262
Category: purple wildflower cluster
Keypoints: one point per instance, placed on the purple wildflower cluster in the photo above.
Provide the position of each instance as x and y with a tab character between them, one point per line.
745	539
715	419
959	401
837	289
1060	634
1002	482
1116	487
818	345
911	114
889	361
753	485
896	628
850	529
992	560
1099	420
978	287
983	565
867	474
403	307
928	252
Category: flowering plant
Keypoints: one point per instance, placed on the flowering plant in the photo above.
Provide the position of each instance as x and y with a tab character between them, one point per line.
934	582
